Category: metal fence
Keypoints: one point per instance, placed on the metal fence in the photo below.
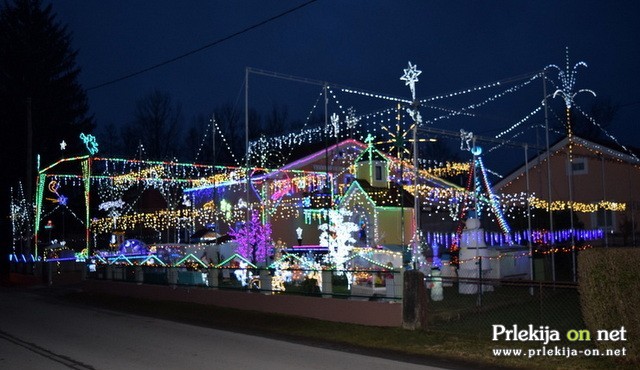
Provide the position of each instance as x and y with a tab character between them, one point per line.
352	284
475	306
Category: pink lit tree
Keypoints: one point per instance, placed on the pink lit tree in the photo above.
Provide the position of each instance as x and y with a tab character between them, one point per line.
253	238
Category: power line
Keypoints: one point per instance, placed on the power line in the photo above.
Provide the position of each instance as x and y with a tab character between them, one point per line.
211	44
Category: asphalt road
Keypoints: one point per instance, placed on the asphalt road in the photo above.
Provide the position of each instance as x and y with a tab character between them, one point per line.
38	332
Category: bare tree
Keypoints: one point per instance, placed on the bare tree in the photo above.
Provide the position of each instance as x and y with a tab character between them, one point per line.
277	121
156	125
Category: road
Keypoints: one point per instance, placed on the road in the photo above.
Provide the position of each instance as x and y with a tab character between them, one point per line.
39	332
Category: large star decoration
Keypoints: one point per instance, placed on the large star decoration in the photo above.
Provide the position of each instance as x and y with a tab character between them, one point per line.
63	145
411	75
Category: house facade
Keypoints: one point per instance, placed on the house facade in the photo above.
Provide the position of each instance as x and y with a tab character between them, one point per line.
602	183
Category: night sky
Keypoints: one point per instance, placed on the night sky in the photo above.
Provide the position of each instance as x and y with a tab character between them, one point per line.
360	44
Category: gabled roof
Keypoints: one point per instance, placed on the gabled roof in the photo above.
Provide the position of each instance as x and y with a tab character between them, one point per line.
393	196
606	149
321	151
371	154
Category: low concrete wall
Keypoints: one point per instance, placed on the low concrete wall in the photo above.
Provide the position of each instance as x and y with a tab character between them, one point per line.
339	310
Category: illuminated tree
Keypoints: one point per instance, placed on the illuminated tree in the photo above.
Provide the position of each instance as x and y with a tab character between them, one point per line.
254	239
337	236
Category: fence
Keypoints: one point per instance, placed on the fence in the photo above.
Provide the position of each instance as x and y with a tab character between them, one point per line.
474	306
469	306
342	284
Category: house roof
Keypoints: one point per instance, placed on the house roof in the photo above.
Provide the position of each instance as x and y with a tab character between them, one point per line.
371	154
313	152
393	196
607	149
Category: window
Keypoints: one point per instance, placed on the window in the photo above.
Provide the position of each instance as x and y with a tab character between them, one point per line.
604	219
378	176
579	166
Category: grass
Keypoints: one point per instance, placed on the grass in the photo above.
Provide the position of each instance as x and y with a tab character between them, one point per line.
462	349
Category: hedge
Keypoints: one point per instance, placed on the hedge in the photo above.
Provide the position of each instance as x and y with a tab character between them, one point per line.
609	286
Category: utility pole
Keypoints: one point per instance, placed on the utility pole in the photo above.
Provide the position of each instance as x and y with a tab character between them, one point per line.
29	179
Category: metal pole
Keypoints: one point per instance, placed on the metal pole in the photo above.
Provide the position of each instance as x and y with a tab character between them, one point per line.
604	198
29	179
526	166
246	135
215	188
546	124
416	195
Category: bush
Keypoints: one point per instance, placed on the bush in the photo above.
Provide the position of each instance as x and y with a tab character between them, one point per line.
310	287
610	295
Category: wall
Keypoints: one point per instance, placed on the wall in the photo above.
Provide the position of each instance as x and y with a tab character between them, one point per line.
338	310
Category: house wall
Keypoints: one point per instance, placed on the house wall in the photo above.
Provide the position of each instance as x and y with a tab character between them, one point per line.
390	225
609	179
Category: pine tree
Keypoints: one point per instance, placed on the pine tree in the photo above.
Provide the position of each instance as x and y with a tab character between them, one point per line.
40	75
38	79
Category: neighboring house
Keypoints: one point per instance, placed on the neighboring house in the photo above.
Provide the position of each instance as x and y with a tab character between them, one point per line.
602	181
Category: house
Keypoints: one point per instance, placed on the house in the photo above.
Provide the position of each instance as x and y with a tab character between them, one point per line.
384	210
297	197
601	179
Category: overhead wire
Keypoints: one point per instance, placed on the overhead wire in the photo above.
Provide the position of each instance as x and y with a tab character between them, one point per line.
197	50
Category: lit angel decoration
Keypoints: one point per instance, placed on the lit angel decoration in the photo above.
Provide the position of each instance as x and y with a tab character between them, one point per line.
90	142
335	123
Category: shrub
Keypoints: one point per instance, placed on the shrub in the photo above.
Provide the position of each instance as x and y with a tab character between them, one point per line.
610	295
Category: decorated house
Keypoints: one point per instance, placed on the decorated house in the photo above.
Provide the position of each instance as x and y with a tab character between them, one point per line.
382	209
601	180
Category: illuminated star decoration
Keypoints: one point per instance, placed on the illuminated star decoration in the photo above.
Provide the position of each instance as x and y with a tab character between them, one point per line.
90	142
411	77
63	145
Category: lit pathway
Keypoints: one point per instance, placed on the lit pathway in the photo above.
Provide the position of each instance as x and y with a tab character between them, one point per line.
39	333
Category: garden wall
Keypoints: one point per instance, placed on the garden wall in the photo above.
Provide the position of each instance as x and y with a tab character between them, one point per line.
370	313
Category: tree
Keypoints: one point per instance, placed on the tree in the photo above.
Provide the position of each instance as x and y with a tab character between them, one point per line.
231	123
41	100
40	75
156	126
602	111
276	122
254	239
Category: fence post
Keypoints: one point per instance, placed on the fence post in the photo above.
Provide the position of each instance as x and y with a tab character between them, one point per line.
327	283
414	302
398	282
139	275
172	276
49	273
265	281
213	277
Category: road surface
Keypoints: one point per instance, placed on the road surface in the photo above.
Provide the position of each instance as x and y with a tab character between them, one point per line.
38	332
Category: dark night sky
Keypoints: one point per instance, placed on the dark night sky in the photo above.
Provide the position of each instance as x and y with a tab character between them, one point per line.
363	44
